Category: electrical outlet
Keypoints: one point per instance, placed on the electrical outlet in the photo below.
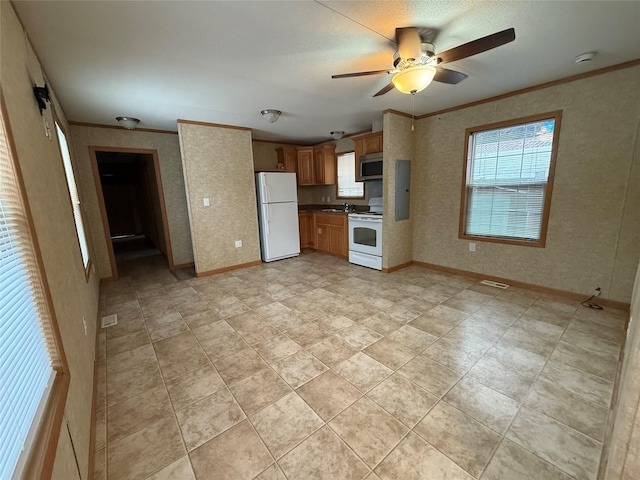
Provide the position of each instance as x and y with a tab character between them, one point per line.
472	247
84	324
238	243
206	202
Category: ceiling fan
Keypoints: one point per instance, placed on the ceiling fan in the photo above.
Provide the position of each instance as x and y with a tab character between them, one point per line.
415	64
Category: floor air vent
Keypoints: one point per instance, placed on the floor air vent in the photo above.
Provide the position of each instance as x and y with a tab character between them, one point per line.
495	284
109	320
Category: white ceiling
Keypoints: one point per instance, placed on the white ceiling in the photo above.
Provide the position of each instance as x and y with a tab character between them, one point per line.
224	61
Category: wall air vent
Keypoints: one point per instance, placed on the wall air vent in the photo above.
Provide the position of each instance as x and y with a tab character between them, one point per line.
109	321
494	284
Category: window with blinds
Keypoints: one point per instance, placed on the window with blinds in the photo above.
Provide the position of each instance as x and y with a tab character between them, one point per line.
508	178
347	186
73	194
27	348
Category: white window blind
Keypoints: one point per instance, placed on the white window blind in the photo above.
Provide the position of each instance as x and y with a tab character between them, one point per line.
26	343
507	176
73	193
347	185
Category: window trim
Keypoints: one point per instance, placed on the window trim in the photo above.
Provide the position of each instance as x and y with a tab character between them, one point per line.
41	458
87	268
557	117
364	184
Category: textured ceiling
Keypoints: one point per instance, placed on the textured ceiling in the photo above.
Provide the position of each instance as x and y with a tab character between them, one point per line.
223	62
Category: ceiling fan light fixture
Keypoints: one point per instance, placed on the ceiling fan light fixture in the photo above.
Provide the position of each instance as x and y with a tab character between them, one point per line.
414	79
271	114
337	134
128	122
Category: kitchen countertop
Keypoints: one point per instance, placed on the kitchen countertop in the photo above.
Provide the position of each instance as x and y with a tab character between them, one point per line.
329	209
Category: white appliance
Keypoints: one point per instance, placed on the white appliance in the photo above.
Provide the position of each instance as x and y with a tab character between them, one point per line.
365	236
278	214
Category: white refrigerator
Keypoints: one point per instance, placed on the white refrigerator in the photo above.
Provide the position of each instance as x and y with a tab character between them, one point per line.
278	215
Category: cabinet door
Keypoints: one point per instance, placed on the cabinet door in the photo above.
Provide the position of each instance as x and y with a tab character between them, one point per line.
324	164
358	148
318	166
311	226
305	166
290	160
337	244
303	221
372	144
323	238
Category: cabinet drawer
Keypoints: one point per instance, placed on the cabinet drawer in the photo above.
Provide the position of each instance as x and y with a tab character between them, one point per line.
330	219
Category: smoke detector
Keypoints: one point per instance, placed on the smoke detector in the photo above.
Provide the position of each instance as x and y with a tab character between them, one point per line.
584	57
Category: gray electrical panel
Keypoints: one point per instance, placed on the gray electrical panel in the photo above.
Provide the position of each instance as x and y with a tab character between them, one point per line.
403	185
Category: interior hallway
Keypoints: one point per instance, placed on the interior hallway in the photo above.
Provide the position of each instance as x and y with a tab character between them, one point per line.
315	368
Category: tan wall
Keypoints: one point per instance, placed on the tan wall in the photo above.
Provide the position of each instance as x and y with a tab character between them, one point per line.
594	231
621	456
172	184
264	155
48	196
218	164
399	143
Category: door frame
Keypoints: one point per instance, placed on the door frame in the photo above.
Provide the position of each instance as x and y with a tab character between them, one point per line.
93	150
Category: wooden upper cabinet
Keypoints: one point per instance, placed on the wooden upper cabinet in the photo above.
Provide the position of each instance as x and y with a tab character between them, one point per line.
288	156
365	144
305	165
324	164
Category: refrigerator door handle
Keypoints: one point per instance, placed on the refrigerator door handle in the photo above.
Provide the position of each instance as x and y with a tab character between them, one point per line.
266	218
263	186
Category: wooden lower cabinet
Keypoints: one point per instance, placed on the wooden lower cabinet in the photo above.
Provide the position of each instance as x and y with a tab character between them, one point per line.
332	234
324	232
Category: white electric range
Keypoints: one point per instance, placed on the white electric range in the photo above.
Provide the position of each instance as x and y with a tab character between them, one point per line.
365	236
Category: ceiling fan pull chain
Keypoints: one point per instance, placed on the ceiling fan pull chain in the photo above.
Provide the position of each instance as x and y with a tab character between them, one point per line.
413	109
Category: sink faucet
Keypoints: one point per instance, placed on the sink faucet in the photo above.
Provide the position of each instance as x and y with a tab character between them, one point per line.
346	207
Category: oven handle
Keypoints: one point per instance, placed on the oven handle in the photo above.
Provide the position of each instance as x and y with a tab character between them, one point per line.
367	220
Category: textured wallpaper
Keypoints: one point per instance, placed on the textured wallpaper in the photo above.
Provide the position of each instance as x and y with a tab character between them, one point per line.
399	144
172	185
218	164
73	297
593	235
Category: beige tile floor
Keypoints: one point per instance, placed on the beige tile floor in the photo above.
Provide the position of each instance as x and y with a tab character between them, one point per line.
312	368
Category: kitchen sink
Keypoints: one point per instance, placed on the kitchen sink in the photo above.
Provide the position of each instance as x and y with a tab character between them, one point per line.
335	210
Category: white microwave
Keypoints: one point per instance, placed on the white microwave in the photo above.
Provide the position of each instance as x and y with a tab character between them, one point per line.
371	166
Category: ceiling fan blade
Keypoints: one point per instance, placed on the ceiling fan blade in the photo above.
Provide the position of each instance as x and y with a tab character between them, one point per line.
386	89
444	75
477	46
360	74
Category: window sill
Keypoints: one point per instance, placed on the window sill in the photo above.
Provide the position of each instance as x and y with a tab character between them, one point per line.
507	241
43	452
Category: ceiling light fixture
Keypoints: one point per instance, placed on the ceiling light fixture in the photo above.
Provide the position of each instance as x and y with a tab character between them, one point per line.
337	134
414	79
271	114
128	122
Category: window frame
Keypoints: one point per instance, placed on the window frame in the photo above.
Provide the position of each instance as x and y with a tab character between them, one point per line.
40	459
466	166
338	197
87	267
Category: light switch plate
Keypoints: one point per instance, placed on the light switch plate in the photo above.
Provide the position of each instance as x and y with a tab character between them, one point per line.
238	243
206	202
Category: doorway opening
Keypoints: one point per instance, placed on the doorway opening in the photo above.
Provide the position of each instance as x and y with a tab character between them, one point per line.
132	205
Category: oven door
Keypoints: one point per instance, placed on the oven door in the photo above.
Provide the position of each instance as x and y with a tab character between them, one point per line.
365	236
